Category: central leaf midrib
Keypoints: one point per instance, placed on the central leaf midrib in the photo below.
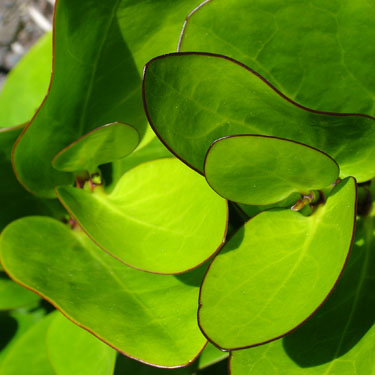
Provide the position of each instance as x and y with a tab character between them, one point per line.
89	91
132	296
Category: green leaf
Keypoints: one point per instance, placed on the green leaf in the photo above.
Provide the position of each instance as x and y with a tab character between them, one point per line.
264	170
149	317
13	324
27	84
339	339
96	77
251	211
29	354
162	217
152	151
194	99
15	201
102	145
72	350
127	366
210	356
318	53
276	271
13	296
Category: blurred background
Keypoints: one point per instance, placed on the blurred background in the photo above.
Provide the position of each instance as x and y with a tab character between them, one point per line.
22	23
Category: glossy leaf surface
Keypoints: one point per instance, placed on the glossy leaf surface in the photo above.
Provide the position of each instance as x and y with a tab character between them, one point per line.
161	217
73	350
26	85
100	50
276	271
340	338
317	53
264	170
29	354
149	317
100	146
194	99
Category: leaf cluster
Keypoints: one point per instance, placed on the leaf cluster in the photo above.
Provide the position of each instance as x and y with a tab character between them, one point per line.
160	209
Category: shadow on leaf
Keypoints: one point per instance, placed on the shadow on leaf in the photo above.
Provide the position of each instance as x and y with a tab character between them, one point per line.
348	313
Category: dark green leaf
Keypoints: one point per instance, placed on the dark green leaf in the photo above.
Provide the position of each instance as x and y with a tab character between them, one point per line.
102	145
29	354
13	324
318	53
100	48
194	99
264	170
15	201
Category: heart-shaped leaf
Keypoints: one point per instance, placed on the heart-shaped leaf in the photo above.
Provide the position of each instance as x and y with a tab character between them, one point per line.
261	170
149	317
317	53
29	354
72	350
276	271
162	217
26	85
193	99
96	77
100	146
340	338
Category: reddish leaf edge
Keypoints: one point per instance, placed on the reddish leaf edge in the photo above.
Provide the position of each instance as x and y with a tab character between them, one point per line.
94	131
223	57
220	246
28	124
260	136
62	311
306	319
182	34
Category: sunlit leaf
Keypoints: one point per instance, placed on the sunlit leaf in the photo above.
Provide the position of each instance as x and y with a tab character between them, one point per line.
73	350
29	354
26	85
161	217
149	317
276	271
340	338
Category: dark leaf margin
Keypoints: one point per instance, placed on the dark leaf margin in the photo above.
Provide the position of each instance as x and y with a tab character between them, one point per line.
305	320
